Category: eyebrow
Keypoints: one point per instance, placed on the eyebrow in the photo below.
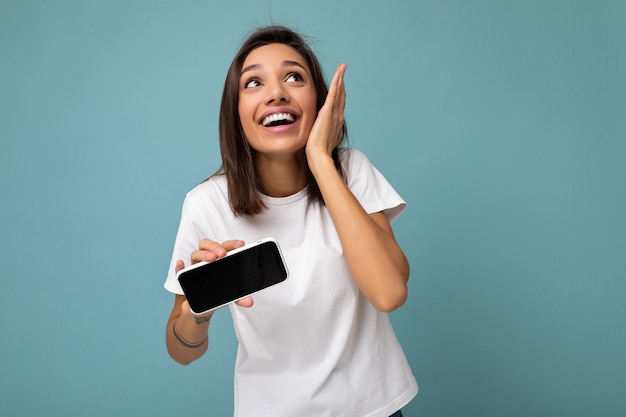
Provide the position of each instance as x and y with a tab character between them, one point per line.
284	64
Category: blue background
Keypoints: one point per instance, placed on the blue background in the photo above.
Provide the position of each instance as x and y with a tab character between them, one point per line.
502	123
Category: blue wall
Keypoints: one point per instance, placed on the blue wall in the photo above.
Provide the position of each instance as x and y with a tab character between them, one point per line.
501	122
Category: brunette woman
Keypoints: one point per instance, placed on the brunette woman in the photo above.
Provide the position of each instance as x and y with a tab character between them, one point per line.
320	343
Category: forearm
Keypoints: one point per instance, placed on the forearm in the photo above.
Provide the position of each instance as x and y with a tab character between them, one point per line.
376	262
187	337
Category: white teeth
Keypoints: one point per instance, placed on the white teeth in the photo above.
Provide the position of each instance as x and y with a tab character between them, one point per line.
278	117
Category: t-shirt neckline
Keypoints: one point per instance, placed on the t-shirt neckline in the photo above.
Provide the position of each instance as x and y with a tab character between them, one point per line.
275	201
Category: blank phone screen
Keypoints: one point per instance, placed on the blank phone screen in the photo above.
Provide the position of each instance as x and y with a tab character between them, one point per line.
233	277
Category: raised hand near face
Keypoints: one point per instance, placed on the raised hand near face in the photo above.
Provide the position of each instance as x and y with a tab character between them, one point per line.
326	132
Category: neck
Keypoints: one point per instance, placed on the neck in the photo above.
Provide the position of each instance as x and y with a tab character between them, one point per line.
281	176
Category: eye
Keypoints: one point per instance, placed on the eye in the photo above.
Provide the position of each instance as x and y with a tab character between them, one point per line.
251	83
294	77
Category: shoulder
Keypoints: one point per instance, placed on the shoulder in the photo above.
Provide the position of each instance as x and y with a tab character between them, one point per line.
212	192
213	186
352	154
355	164
369	185
353	161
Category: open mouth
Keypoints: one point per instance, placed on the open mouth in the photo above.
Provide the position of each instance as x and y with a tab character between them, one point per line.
278	119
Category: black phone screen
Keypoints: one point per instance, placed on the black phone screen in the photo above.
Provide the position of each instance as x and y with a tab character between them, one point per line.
233	277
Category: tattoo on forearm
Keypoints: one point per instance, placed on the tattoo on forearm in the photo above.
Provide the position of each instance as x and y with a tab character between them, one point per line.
184	342
201	319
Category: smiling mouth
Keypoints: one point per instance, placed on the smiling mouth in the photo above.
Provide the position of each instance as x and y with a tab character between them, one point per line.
278	119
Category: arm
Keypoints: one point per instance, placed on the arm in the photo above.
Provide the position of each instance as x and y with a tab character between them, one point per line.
376	262
186	334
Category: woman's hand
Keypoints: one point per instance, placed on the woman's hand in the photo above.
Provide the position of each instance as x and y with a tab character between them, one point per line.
376	261
209	251
187	334
326	132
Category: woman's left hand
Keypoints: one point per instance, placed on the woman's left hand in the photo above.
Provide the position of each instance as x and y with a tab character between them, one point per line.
326	132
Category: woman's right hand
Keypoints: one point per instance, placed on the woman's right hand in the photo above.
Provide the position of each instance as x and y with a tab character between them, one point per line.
209	251
187	333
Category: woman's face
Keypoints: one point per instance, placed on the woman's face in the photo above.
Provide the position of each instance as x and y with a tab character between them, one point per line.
277	100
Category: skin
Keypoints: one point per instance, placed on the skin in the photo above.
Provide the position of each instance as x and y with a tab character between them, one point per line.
268	84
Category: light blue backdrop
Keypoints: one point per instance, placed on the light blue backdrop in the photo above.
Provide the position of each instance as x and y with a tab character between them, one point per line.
502	123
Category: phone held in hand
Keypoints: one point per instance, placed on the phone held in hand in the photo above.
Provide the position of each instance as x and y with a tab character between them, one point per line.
242	272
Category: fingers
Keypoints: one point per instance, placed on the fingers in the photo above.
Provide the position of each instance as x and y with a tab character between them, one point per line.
245	302
337	80
232	244
342	87
336	100
326	133
209	250
337	90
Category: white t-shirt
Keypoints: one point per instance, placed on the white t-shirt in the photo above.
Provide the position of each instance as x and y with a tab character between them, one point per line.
312	345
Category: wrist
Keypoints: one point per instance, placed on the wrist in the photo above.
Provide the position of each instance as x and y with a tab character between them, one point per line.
320	161
184	340
190	317
202	319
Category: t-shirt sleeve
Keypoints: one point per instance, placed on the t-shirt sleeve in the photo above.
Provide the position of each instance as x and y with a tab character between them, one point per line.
371	188
193	227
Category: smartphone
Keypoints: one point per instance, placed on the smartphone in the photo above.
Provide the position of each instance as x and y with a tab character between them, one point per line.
242	272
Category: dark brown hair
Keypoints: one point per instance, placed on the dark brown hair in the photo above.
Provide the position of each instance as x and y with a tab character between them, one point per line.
237	156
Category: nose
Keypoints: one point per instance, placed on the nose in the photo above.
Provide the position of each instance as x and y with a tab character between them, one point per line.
277	93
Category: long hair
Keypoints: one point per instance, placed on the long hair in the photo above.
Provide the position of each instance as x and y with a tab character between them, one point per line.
244	188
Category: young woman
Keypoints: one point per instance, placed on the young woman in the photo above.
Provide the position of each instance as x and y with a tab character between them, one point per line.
320	343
